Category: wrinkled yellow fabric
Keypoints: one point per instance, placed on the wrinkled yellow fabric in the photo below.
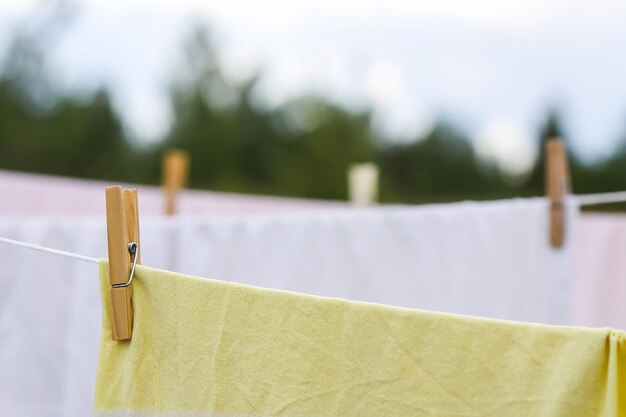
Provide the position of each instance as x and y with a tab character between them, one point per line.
202	347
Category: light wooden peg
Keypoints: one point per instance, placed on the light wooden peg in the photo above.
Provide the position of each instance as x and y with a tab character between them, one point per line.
175	169
363	184
122	228
131	211
557	187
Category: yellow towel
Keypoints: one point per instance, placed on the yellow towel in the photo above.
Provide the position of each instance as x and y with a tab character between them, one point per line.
210	348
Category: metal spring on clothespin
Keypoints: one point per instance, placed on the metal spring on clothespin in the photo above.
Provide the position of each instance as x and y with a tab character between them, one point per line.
133	248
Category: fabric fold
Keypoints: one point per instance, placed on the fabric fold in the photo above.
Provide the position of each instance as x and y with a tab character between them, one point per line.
202	347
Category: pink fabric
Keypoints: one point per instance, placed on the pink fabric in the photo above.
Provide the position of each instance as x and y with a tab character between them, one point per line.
33	194
600	281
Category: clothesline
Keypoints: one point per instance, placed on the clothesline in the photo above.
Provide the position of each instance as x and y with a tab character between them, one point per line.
601	198
52	251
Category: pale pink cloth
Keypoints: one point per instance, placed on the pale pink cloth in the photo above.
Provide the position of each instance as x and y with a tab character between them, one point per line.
600	281
33	194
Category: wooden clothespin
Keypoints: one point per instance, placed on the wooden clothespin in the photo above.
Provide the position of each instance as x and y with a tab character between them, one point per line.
175	168
122	232
363	184
557	187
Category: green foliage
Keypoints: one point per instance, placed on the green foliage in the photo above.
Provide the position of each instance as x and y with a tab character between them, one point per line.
301	149
441	166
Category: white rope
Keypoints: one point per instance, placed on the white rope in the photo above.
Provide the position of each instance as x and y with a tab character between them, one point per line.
40	248
602	198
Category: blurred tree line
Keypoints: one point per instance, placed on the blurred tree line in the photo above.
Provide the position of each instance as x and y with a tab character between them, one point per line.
301	149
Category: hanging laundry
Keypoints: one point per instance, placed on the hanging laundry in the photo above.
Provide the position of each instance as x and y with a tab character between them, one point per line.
211	348
489	259
600	285
48	322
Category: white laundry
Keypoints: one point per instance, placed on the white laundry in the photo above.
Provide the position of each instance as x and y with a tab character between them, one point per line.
488	259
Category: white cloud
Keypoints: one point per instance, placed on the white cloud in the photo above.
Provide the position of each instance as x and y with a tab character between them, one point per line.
147	113
397	112
240	65
383	84
518	13
508	145
17	6
290	74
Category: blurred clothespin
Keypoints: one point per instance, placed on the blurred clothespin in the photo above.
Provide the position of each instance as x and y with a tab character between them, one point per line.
175	172
363	184
123	244
557	187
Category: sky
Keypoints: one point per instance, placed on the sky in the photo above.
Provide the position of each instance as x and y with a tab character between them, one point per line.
493	68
